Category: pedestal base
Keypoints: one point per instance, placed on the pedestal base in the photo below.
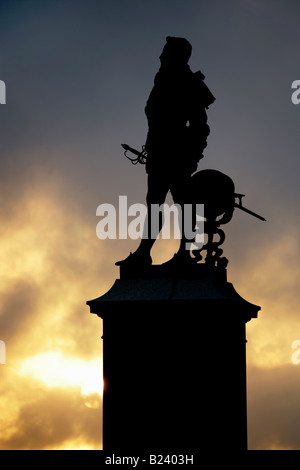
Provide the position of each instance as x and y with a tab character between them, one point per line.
174	363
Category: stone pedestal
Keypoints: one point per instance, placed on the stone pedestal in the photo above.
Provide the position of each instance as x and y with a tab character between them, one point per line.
174	360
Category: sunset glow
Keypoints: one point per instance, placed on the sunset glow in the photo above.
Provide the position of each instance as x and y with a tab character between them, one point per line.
77	76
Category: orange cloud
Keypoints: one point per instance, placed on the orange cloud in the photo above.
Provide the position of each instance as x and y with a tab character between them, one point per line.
52	262
48	385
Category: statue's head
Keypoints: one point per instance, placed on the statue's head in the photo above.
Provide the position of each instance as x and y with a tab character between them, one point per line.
176	51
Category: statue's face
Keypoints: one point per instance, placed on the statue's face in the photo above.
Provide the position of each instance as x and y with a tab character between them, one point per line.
168	56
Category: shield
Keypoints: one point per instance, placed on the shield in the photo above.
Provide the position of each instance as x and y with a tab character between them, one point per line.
213	189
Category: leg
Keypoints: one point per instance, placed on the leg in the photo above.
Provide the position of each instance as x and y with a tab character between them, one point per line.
180	190
158	188
157	191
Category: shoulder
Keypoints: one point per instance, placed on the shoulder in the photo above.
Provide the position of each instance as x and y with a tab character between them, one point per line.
202	90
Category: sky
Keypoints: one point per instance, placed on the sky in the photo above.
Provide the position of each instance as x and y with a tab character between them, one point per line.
78	74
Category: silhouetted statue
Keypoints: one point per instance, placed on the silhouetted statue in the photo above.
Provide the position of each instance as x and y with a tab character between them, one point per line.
177	136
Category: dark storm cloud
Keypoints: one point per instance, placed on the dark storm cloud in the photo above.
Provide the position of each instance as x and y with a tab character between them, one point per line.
19	304
78	79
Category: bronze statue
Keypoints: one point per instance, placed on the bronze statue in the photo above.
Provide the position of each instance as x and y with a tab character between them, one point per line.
177	136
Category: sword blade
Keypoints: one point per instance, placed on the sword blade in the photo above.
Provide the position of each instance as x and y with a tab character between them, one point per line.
249	212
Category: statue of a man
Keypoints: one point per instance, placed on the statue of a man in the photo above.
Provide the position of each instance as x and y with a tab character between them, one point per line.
177	136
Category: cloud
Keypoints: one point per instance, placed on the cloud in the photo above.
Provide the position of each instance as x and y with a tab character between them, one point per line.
273	408
50	419
268	276
18	305
52	263
53	345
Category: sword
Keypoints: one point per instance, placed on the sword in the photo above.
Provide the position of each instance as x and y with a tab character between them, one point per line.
141	156
240	206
